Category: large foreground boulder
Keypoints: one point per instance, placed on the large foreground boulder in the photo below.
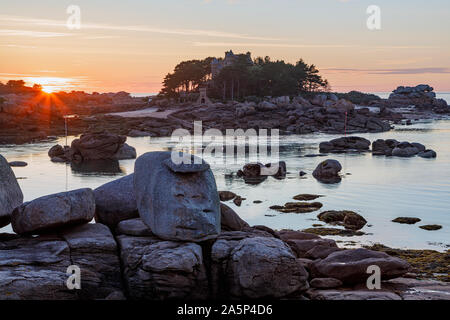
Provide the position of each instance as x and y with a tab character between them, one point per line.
35	269
10	194
115	201
256	267
178	199
328	171
160	270
350	266
54	211
94	249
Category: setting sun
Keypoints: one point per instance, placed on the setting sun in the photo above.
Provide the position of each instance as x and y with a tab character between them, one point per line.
47	89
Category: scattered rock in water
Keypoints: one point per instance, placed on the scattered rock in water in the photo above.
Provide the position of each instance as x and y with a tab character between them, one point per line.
115	201
345	144
11	195
238	200
391	147
350	266
298	207
427	154
334	232
255	173
257	201
183	206
325	283
302	173
431	227
328	171
406	220
230	220
226	195
348	219
125	152
306	197
54	211
313	155
18	164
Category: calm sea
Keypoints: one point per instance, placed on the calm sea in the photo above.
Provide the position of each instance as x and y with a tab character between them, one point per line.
379	188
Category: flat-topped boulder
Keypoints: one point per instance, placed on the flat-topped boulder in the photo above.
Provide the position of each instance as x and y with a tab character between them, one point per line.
115	201
345	144
177	198
10	193
54	211
350	266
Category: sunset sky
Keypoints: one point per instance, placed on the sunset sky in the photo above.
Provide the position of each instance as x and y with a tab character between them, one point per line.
131	45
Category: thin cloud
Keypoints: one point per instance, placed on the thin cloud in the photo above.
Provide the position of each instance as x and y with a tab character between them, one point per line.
277	45
437	70
32	33
143	28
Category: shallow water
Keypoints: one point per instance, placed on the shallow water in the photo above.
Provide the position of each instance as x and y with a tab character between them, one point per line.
379	188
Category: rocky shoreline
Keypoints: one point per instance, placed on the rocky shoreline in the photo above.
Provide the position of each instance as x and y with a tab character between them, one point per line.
324	113
177	240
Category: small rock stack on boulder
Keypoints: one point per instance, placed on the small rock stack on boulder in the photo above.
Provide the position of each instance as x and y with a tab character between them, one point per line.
94	146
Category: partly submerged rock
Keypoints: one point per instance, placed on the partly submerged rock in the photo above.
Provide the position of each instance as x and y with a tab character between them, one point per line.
406	220
18	164
345	144
226	195
95	146
115	201
328	171
348	219
54	211
125	152
176	201
431	227
10	193
306	197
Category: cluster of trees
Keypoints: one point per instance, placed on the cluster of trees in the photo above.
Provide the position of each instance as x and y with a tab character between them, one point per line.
18	87
243	78
187	77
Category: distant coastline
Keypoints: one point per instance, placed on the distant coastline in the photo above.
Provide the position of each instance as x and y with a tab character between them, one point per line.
383	95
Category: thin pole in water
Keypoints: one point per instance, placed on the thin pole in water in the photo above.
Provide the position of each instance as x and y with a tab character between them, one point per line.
345	124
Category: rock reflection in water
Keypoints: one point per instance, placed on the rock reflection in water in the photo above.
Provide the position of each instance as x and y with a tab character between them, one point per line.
105	167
